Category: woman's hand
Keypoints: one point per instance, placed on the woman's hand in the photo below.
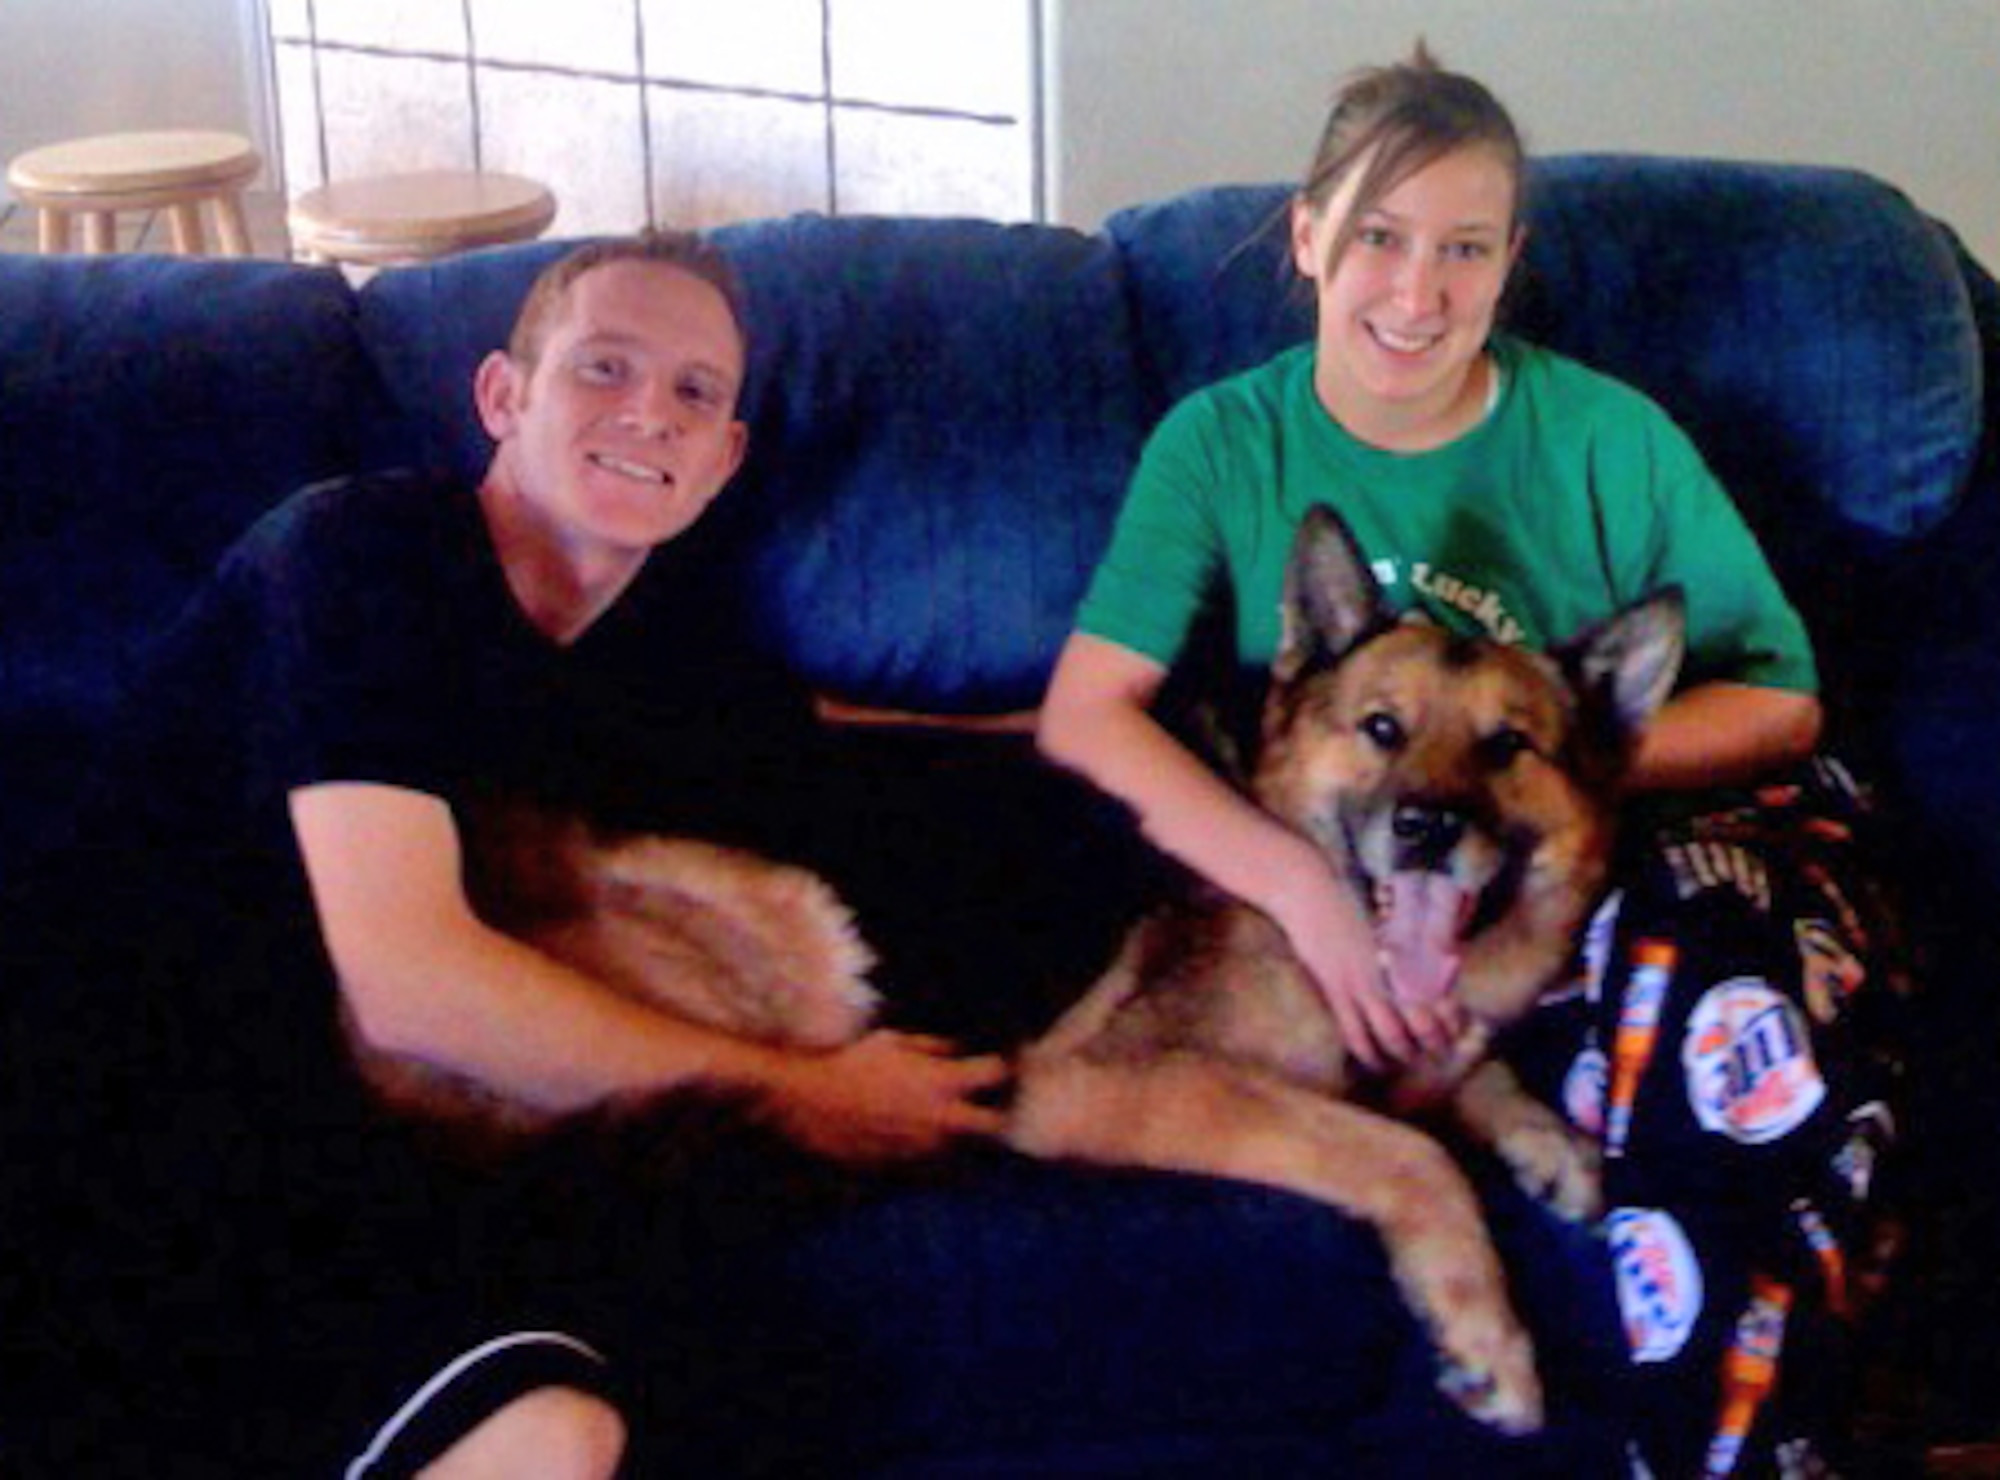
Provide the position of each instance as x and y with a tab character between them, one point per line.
1724	734
1336	942
887	1096
1096	721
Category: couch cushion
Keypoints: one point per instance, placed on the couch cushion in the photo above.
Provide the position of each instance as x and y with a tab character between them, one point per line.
1026	1319
426	328
1213	291
150	408
944	417
1807	326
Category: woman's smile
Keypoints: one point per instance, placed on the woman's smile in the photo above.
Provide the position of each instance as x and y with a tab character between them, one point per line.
1407	304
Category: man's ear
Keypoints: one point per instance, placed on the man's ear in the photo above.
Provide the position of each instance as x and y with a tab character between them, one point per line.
739	445
498	388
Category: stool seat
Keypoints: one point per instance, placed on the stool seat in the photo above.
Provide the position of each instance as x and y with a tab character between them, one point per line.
382	219
173	169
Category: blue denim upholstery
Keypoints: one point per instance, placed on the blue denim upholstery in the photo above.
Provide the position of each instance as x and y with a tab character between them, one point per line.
917	473
1044	1321
426	329
149	409
943	416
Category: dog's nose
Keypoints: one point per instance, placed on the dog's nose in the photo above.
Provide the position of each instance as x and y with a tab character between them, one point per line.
1426	831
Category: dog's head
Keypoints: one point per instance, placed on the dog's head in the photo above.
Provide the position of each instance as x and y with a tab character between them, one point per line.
1466	787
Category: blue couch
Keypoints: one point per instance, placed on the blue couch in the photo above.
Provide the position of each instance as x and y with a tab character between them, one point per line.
944	414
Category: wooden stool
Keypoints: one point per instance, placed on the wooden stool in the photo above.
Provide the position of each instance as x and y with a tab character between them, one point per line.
174	169
384	219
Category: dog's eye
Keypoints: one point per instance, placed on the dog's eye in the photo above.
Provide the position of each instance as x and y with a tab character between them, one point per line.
1385	730
1499	749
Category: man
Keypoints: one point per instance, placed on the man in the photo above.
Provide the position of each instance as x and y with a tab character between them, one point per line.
372	663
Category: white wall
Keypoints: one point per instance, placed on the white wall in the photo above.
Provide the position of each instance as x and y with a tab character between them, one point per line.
70	67
1146	97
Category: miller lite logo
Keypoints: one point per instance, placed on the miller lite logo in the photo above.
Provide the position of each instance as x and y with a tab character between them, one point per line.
1748	1054
1660	1290
1584	1089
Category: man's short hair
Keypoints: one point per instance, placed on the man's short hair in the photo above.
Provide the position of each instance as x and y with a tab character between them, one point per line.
685	250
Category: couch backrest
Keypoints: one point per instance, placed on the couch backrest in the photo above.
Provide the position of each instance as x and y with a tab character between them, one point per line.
426	329
942	427
1809	327
150	409
944	413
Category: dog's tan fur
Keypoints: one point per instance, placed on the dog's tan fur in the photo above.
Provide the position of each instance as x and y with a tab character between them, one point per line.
711	934
1206	1048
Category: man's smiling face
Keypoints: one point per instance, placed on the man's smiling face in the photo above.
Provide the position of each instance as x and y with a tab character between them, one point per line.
623	427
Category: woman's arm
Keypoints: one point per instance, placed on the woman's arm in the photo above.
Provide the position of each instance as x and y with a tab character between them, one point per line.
424	976
1719	734
1096	720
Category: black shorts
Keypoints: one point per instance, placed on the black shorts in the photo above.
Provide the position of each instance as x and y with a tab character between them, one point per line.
191	1316
432	1299
450	1400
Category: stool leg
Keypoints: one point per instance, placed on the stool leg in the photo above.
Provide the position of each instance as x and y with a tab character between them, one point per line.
100	232
230	226
185	216
52	230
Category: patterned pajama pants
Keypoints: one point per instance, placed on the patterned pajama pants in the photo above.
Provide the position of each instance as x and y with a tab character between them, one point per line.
1731	1040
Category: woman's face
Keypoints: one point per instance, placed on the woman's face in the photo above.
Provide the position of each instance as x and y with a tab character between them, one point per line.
1404	315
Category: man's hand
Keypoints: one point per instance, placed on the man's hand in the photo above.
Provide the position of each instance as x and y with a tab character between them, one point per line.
886	1097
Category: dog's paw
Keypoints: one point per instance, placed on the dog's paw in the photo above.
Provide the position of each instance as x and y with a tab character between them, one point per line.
1489	1371
1559	1167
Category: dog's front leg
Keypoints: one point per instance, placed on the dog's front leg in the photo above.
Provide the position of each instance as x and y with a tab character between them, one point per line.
1190	1113
1551	1160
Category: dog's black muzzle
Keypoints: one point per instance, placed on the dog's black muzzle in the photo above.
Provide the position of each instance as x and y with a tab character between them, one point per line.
1426	832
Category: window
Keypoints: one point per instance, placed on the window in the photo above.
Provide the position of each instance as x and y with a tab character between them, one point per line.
681	112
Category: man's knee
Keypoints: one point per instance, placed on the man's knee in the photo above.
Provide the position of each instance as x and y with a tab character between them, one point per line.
553	1433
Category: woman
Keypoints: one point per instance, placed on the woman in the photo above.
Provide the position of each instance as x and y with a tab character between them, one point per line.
1477	471
1501	488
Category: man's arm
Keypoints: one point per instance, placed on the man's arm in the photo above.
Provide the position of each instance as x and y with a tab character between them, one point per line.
424	976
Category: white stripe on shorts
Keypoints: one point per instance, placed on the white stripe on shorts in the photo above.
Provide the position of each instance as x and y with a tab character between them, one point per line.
451	1372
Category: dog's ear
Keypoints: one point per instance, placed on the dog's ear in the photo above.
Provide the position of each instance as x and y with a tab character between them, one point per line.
1331	600
1629	663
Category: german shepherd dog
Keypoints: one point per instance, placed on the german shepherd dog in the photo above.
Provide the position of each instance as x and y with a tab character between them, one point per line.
1468	792
1465	788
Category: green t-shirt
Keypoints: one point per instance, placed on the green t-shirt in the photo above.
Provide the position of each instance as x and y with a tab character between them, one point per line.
1575	496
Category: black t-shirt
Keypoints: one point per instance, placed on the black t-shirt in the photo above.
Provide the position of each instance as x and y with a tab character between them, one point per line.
364	631
170	1068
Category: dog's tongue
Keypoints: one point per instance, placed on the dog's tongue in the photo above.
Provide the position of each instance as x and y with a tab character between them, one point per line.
1419	934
